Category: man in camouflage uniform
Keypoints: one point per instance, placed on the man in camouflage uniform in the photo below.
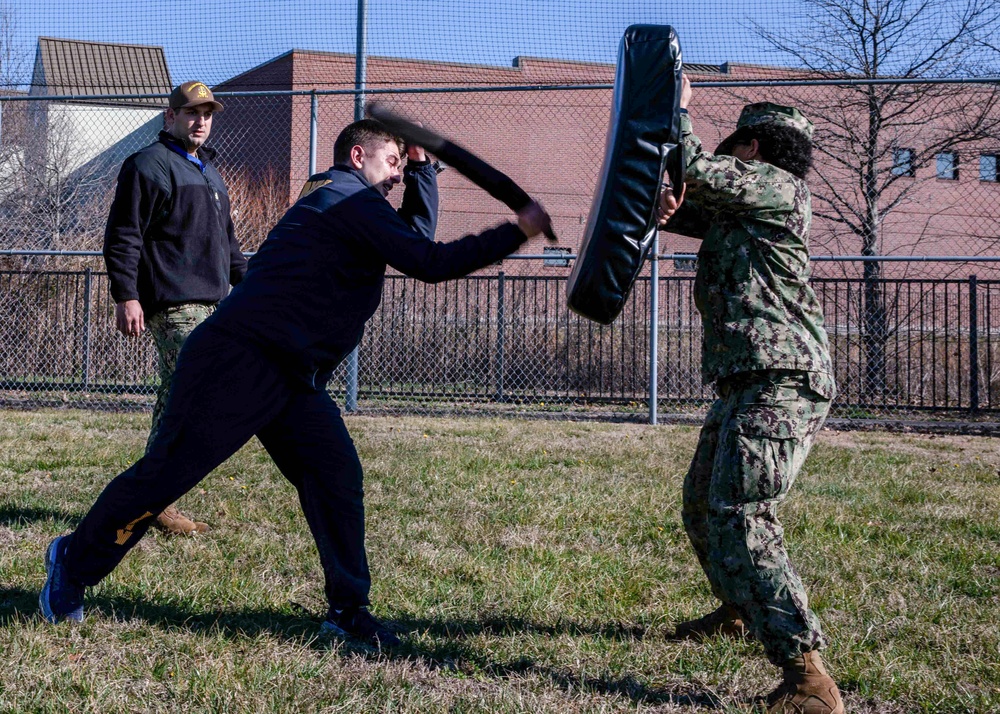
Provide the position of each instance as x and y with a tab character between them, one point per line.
765	350
169	246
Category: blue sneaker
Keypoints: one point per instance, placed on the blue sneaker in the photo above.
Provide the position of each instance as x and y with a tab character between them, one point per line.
60	598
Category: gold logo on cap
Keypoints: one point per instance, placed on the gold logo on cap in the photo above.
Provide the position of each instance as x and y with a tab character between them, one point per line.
202	90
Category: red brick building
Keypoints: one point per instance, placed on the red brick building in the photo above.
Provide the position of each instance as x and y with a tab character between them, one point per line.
552	143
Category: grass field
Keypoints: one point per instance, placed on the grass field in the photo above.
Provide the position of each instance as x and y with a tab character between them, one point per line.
530	566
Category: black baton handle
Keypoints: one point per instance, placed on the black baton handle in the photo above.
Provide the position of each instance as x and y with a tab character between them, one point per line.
493	181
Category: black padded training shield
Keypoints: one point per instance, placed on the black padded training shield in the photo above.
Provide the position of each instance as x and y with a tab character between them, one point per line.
642	144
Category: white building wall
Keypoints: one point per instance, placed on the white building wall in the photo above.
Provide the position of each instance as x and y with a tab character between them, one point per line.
79	133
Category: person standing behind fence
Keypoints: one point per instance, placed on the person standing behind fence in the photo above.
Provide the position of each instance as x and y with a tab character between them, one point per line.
766	351
169	246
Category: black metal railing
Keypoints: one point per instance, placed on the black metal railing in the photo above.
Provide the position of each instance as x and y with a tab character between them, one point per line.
509	339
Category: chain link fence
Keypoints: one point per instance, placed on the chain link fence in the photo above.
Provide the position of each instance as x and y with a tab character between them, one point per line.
906	206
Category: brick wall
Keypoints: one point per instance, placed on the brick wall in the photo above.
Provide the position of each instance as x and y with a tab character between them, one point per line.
552	143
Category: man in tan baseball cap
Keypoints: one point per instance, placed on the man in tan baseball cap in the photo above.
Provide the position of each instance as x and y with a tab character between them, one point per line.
171	204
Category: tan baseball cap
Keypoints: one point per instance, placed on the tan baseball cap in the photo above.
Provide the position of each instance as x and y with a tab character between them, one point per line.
193	94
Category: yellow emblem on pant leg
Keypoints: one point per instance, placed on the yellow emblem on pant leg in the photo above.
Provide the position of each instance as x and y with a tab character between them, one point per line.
125	533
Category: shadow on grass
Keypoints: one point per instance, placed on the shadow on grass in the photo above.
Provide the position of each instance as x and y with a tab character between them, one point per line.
19	606
680	695
454	651
13	516
503	625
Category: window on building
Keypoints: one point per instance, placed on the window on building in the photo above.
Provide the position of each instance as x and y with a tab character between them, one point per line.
988	167
686	265
902	162
947	166
555	257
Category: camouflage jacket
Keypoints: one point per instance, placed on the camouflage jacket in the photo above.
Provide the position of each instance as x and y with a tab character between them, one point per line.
752	285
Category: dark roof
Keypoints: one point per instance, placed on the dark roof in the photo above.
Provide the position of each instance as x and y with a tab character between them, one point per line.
84	68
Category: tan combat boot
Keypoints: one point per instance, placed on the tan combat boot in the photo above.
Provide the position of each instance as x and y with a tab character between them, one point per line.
721	621
806	688
174	522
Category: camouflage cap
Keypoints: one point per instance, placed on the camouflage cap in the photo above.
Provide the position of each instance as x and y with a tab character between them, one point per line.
193	94
768	113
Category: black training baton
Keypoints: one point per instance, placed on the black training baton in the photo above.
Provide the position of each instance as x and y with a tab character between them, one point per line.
494	182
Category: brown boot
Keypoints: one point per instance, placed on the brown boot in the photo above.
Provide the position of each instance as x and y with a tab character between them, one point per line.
721	621
174	522
806	688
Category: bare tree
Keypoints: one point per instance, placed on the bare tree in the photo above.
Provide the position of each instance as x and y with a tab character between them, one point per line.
13	69
59	192
13	57
873	137
258	200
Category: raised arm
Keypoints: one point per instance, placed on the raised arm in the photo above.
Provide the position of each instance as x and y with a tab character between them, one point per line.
722	182
420	196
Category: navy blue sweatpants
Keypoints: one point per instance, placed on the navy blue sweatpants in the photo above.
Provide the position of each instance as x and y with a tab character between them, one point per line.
225	392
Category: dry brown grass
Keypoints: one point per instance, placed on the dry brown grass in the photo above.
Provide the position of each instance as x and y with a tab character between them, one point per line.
533	567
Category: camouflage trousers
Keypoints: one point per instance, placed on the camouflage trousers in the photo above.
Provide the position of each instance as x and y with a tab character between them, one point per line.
754	441
170	328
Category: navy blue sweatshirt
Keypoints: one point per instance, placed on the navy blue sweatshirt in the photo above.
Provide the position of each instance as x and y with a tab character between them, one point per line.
169	238
318	276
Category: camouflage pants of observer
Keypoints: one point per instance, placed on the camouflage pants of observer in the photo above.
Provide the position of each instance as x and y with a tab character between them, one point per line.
754	441
170	328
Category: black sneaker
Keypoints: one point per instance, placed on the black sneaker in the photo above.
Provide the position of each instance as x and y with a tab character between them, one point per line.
61	598
360	624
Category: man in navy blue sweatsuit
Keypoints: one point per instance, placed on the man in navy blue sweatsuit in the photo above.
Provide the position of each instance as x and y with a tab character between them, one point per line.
259	366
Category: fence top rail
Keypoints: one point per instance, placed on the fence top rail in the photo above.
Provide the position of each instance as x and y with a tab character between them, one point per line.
984	284
319	92
52	273
571	256
845	82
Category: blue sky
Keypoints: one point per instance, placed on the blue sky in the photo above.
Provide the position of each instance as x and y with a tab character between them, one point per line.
217	39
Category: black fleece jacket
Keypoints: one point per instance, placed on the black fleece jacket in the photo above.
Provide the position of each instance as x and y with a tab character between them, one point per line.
169	238
318	277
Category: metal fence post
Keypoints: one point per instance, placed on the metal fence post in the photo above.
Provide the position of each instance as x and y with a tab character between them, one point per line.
360	72
500	336
313	130
361	61
87	282
654	323
973	345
